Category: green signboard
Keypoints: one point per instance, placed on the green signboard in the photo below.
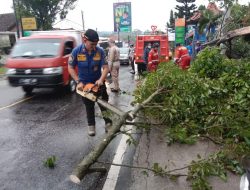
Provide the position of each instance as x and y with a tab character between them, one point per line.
26	33
180	34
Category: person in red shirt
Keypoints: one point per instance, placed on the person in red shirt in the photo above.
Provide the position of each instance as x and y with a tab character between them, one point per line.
182	58
153	58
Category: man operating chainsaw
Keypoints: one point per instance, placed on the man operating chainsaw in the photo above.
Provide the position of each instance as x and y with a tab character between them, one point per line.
92	72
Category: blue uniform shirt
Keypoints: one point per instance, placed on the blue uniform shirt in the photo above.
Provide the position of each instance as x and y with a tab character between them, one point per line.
89	65
190	49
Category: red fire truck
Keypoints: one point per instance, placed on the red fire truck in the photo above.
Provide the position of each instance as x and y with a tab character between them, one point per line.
143	40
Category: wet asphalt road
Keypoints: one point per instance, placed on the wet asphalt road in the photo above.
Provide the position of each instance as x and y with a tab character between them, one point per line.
50	123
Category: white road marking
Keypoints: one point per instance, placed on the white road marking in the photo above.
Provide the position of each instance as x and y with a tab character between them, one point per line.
114	171
18	102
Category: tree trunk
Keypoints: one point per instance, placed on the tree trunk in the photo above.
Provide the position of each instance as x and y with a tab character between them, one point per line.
84	166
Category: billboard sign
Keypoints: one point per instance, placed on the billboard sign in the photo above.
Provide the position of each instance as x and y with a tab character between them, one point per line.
29	23
122	17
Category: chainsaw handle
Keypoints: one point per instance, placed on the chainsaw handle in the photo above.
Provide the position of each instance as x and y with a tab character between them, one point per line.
90	87
80	86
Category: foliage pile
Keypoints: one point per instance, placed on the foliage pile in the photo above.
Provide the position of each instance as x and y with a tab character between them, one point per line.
211	99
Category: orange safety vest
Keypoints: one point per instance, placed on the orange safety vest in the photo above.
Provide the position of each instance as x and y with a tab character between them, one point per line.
153	60
182	57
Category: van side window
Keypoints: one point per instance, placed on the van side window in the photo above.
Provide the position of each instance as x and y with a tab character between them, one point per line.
68	47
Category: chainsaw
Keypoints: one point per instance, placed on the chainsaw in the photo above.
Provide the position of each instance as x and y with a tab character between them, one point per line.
90	91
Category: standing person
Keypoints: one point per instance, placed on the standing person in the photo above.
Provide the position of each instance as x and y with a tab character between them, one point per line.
132	58
153	58
190	48
198	47
145	55
92	68
182	58
114	64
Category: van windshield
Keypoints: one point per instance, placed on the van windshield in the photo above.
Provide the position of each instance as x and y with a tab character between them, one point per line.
124	50
36	48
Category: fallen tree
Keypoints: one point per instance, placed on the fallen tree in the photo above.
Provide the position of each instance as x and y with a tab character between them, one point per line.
229	36
84	167
209	100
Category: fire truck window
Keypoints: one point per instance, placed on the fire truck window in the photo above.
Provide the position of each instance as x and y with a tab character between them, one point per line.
152	42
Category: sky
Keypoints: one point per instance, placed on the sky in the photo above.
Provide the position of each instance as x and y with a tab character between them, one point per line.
98	14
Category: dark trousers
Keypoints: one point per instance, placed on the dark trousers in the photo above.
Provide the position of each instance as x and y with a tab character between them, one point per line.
132	63
141	68
90	106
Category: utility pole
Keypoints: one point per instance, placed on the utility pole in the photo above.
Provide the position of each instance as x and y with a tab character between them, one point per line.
83	27
20	17
17	24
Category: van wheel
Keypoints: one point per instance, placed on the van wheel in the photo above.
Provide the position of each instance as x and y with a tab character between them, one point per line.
71	87
28	89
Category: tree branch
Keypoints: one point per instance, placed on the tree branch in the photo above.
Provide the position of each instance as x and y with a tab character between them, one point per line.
167	173
143	123
213	140
140	106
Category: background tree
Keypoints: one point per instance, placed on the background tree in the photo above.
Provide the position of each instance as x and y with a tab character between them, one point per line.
186	9
202	8
225	3
171	23
239	17
45	11
208	20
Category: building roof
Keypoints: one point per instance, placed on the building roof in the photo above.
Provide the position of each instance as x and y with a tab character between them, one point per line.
196	16
211	6
7	22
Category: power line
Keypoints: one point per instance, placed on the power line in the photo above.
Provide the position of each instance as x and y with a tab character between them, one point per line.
74	22
68	21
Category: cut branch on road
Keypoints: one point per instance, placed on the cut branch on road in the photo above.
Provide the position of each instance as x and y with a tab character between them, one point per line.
84	166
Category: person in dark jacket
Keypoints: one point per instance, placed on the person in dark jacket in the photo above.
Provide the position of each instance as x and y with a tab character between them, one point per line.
145	57
131	53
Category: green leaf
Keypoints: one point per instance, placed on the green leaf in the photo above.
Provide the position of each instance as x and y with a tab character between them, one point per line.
223	176
50	162
145	173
